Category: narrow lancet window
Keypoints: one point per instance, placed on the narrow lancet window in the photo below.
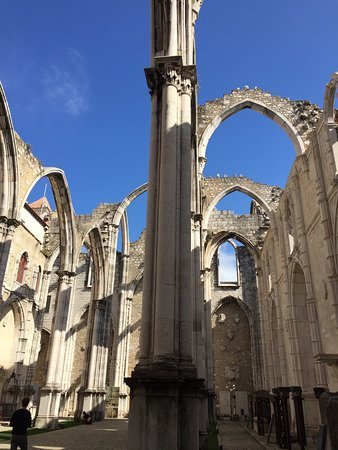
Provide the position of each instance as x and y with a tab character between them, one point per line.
227	264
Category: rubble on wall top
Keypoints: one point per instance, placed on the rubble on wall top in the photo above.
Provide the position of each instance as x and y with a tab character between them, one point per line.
213	186
98	212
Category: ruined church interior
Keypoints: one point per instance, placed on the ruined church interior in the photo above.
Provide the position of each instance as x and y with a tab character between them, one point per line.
207	314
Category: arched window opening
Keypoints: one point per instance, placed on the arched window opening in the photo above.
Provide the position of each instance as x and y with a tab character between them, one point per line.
251	150
23	264
90	273
290	227
37	279
228	263
268	269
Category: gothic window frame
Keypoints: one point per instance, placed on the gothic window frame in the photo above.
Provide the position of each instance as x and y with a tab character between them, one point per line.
228	283
290	226
22	268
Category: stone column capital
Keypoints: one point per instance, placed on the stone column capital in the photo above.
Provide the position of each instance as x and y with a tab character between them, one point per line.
8	225
169	70
66	276
188	79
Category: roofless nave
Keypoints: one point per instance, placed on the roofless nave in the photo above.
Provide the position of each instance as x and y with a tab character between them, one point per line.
153	327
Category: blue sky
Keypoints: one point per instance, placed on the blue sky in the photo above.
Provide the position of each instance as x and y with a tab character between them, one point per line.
73	72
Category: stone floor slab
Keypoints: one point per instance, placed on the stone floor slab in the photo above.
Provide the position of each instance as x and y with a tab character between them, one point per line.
234	437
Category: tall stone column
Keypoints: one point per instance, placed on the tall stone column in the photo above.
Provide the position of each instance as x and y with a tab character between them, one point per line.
50	394
165	390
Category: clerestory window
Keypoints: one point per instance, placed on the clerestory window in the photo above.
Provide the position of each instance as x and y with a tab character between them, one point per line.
227	264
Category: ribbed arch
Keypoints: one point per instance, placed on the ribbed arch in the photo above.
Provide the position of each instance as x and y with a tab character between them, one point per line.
65	213
8	161
126	202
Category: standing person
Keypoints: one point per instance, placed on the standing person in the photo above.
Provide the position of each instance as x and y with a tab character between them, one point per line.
20	421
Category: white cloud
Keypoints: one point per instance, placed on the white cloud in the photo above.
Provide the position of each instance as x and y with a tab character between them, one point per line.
66	87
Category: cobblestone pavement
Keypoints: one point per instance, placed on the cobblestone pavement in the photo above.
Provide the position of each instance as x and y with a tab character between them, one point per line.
110	434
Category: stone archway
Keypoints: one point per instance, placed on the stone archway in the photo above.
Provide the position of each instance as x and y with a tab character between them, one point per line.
214	189
296	118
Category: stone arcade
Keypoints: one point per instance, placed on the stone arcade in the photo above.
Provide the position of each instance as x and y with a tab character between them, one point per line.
85	325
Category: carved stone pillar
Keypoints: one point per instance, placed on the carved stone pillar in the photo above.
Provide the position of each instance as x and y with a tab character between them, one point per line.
50	394
166	377
327	222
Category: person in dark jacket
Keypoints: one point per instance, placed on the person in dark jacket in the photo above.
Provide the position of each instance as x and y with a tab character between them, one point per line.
20	421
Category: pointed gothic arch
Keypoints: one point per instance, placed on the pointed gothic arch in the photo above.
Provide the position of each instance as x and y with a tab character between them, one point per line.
288	114
250	189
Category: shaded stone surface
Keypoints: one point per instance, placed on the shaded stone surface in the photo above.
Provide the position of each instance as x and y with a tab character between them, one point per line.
107	434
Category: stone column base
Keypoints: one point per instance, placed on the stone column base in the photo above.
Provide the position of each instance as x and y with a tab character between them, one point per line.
164	412
48	412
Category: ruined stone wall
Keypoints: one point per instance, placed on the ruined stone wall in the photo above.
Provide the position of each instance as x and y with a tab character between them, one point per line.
29	168
52	294
78	361
313	209
252	227
213	187
231	349
41	365
23	242
82	291
233	338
